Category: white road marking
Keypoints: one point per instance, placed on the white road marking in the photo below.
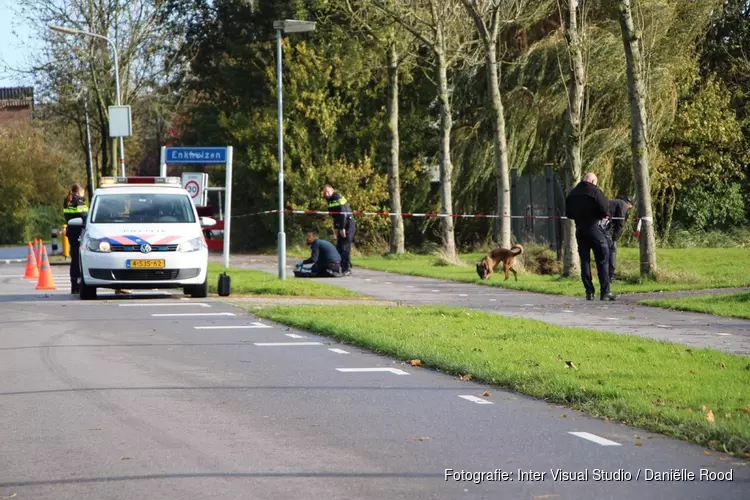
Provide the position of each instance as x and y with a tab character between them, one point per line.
388	283
528	305
434	290
664	326
274	344
567	311
368	279
613	319
294	336
232	327
596	439
163	315
476	400
338	351
463	294
409	286
725	334
395	371
165	304
493	300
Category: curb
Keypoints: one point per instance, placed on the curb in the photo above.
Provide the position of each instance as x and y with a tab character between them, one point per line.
12	261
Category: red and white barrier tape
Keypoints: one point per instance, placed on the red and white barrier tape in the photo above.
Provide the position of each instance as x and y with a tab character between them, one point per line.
409	214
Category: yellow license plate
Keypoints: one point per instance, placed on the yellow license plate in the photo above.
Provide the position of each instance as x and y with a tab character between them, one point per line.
147	264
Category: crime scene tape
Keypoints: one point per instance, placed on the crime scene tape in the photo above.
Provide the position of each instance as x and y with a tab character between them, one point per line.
410	214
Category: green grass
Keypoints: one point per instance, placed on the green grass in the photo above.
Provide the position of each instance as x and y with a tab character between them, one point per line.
734	305
679	269
252	282
653	385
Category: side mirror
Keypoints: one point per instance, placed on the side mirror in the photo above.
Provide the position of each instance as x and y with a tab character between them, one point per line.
207	222
78	221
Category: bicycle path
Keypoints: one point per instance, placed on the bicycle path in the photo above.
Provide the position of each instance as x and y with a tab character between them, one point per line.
623	317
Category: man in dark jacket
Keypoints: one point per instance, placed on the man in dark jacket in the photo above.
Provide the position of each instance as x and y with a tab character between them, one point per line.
343	224
588	207
618	211
325	259
74	206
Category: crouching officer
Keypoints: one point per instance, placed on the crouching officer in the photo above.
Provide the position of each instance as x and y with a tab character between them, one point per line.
325	259
588	207
618	211
74	206
344	226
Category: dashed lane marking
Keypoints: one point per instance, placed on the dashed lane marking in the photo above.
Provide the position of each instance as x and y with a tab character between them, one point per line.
338	351
594	438
463	294
493	300
232	327
165	304
613	319
276	344
395	371
476	400
295	336
165	315
725	334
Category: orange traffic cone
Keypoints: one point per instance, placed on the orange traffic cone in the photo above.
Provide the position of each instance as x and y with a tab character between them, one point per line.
32	270
46	281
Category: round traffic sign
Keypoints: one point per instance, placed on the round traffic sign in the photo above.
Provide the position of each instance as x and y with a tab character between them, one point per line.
193	188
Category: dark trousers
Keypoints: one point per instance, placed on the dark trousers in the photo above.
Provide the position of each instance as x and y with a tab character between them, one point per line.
612	256
593	238
344	247
320	270
75	259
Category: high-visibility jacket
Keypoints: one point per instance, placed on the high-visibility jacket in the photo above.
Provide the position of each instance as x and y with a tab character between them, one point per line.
338	203
76	208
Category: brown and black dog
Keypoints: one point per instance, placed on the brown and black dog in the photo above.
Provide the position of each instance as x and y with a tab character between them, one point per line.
487	266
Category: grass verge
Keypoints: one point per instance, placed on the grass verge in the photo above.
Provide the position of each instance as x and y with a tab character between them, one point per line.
734	305
679	269
252	282
645	383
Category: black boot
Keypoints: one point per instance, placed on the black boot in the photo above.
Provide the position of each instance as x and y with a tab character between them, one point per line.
609	296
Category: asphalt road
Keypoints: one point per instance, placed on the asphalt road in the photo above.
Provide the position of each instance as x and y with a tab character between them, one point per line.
164	397
623	316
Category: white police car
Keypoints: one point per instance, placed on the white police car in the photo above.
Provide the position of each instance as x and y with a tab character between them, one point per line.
143	232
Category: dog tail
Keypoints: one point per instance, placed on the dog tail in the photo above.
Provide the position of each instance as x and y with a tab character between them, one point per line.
516	249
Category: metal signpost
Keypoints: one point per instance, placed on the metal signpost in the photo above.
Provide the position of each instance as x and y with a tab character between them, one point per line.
210	155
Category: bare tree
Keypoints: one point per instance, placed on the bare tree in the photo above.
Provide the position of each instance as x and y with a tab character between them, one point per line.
639	137
574	34
443	28
382	31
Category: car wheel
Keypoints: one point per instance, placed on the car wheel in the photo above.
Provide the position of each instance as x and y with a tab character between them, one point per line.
86	292
199	291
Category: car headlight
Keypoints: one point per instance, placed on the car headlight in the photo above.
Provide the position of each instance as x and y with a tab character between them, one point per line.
190	245
97	245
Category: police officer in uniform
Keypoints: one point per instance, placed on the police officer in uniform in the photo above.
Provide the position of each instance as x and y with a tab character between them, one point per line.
325	259
344	226
74	206
588	207
618	211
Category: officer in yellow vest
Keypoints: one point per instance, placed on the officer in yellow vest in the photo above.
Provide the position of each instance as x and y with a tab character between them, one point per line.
343	224
74	206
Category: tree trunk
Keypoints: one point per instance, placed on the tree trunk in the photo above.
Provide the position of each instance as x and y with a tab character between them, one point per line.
394	188
639	142
574	162
502	177
446	167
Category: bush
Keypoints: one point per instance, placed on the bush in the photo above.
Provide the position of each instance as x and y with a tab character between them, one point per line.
538	259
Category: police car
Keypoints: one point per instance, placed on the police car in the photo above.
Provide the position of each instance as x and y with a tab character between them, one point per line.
143	233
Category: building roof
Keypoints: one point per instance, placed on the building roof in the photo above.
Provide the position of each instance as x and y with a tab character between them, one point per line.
16	97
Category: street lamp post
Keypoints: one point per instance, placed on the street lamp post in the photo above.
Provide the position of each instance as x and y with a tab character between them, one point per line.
285	26
73	31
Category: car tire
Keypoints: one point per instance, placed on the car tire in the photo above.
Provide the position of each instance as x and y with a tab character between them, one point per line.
198	291
86	292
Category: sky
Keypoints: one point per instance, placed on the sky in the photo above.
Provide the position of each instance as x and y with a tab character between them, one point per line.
17	45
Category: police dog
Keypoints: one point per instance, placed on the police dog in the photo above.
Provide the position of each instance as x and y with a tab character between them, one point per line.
486	266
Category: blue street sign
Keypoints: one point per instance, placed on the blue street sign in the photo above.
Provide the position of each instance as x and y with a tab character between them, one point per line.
196	155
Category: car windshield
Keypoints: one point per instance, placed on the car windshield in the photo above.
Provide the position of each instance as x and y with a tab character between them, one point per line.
142	208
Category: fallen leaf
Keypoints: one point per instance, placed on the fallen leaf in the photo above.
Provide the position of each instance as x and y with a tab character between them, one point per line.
14	495
421	438
745	410
486	394
415	362
723	365
571	365
639	443
465	377
559	357
706	452
710	416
